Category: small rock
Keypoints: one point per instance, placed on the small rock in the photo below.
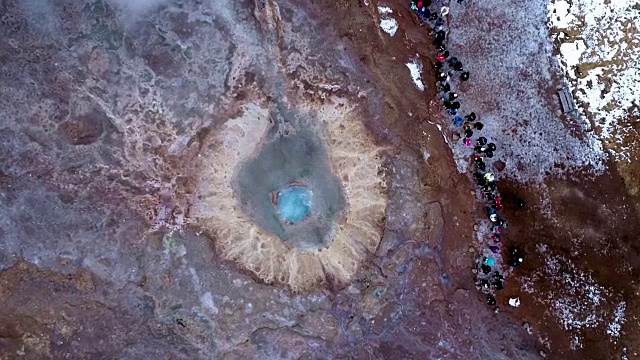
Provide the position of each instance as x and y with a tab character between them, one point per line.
499	165
514	301
471	249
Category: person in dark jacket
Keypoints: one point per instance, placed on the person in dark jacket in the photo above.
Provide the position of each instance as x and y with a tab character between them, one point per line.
516	256
464	76
498	281
485	269
491	301
484	284
481	166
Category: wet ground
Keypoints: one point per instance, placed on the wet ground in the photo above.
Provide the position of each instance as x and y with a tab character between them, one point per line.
106	119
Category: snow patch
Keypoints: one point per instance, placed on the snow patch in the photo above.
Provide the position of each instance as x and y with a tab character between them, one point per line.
576	300
520	111
615	326
600	48
387	23
514	301
416	69
384	10
572	51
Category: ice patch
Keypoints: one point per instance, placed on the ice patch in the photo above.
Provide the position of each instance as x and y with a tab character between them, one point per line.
416	68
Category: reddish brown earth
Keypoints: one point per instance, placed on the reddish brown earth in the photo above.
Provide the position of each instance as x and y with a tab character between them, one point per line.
599	210
599	213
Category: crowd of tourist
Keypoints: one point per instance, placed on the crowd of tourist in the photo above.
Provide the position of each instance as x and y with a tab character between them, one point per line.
450	72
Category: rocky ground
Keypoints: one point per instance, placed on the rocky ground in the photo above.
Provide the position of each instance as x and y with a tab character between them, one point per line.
106	108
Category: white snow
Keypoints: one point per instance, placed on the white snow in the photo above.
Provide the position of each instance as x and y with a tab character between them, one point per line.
576	300
614	327
387	23
560	16
514	301
512	89
416	68
389	26
606	38
384	10
572	51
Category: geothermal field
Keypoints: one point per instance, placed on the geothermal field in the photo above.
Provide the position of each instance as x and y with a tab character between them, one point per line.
328	179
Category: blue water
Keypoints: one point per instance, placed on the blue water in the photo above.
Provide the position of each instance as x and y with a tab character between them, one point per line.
294	204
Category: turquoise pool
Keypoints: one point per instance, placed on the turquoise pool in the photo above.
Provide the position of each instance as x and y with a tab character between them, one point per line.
294	204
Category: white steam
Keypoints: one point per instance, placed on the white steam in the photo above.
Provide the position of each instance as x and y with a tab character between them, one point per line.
133	9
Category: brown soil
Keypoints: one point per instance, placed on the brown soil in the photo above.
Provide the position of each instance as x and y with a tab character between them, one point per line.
610	250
